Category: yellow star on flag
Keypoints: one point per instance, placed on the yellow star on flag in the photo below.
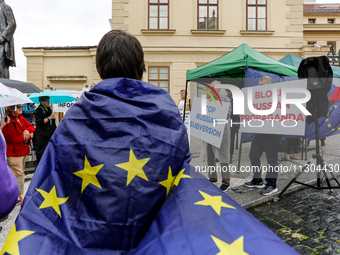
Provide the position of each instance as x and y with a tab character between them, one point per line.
88	174
168	182
180	176
338	128
51	200
333	129
134	167
326	119
214	201
329	125
11	245
335	106
331	109
235	248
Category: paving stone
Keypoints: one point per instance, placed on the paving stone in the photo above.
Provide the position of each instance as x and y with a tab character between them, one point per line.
274	217
291	225
311	243
292	242
271	225
303	250
290	217
332	235
311	226
310	233
262	209
283	236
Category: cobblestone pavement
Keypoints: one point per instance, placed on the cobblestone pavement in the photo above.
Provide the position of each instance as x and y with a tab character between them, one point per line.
309	220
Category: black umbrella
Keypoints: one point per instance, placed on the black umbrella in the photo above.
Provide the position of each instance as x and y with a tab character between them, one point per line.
22	86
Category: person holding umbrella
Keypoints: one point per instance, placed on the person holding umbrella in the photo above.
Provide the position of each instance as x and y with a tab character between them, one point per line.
17	134
45	125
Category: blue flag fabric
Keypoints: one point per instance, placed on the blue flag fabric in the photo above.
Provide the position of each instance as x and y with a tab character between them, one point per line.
9	189
329	125
197	218
105	173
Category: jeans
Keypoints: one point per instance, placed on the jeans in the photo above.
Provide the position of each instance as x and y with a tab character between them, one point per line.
267	143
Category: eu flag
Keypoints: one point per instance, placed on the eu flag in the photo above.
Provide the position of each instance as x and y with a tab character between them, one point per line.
198	218
105	173
329	125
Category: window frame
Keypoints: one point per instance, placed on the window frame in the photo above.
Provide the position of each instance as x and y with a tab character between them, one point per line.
311	42
314	21
333	21
256	5
198	15
332	43
159	80
158	4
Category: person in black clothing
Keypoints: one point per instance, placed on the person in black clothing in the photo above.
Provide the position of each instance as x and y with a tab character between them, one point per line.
45	125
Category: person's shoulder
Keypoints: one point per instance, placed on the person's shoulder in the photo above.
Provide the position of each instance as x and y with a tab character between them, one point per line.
6	8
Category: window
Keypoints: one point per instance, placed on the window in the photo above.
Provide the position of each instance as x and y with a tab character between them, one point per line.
311	21
330	21
311	42
333	46
159	76
158	14
208	14
256	14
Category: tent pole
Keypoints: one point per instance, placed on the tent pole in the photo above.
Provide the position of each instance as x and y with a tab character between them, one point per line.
239	155
185	100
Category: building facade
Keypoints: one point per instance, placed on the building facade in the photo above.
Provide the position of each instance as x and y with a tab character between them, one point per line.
180	35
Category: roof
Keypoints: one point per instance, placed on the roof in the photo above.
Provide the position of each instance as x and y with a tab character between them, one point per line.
321	8
233	63
61	48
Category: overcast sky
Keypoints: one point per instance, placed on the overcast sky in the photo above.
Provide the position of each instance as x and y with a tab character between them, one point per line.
57	23
61	23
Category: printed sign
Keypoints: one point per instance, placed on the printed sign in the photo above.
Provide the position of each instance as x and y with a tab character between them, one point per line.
275	108
206	126
65	106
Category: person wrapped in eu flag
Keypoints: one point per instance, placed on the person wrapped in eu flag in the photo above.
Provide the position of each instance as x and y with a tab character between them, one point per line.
109	165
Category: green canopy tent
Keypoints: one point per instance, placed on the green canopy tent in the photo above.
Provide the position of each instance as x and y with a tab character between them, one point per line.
232	65
295	61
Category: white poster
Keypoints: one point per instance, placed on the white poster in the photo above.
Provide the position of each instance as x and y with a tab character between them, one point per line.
292	122
65	106
204	126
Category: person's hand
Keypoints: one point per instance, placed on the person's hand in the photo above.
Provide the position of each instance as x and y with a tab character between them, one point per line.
3	122
26	135
52	116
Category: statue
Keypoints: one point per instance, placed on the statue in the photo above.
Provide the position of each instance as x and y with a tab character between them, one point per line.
7	28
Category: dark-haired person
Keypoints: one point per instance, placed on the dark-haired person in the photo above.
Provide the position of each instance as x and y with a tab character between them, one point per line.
45	126
115	154
17	134
180	103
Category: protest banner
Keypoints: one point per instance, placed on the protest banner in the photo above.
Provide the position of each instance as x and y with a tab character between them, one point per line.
206	126
266	97
65	106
